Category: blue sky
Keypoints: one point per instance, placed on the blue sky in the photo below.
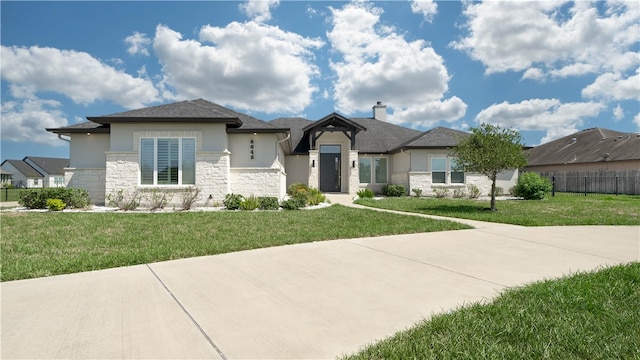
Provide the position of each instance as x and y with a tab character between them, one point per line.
546	69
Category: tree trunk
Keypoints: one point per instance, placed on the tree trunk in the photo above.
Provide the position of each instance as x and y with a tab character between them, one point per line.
493	191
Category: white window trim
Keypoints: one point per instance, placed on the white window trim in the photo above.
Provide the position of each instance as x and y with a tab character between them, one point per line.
447	171
155	160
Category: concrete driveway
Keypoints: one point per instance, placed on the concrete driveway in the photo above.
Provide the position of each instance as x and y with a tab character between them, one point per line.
307	301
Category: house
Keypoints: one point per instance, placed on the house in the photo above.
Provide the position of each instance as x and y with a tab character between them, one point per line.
5	177
33	172
587	150
593	160
221	151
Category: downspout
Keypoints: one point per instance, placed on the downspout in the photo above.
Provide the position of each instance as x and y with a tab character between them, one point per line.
63	139
280	142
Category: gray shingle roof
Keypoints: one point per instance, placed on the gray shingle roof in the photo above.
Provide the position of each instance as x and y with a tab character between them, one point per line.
439	137
379	136
24	168
50	165
199	110
590	145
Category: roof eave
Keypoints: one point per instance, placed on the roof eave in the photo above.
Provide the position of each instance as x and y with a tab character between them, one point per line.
258	131
115	119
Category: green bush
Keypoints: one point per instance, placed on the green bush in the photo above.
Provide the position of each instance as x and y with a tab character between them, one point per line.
37	198
365	193
125	200
499	191
418	192
532	186
250	203
233	201
189	197
55	205
296	188
293	203
157	199
394	190
440	192
315	197
474	192
268	203
459	193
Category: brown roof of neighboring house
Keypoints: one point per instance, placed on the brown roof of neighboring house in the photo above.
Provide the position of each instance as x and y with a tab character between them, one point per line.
587	146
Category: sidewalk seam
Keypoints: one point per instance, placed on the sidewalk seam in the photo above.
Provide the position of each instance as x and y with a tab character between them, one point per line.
428	264
193	320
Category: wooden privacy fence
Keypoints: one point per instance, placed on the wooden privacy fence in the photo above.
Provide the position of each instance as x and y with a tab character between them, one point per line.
595	182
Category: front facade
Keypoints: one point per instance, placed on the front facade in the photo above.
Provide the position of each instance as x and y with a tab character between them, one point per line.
197	143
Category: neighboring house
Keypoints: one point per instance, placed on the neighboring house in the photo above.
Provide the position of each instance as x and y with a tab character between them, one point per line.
5	177
23	175
174	146
594	149
34	172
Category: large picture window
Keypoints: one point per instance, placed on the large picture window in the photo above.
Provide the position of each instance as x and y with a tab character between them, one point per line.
167	161
373	170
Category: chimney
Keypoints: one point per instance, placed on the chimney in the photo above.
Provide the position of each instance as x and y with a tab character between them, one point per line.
380	111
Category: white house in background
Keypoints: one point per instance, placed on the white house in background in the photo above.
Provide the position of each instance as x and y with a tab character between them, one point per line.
35	172
198	143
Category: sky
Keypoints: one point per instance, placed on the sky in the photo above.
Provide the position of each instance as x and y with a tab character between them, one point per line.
546	69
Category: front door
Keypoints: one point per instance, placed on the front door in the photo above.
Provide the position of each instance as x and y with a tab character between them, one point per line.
330	168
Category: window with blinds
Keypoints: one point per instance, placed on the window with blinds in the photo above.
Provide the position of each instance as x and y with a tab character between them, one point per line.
167	161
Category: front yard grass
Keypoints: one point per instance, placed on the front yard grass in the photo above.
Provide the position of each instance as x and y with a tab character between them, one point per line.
584	316
50	243
563	209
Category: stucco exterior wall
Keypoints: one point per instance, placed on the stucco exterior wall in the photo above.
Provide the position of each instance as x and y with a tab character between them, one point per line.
88	151
264	149
209	137
92	180
297	169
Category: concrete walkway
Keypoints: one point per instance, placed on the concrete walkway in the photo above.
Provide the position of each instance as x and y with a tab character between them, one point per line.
306	301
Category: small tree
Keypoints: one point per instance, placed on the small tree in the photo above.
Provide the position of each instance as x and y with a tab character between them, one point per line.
490	150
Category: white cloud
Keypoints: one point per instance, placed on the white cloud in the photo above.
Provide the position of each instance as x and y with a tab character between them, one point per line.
636	120
533	74
378	64
259	10
428	8
549	115
74	74
252	66
26	120
614	86
138	44
618	113
565	39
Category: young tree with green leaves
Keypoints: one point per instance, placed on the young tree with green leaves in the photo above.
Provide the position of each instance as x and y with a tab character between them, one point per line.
490	150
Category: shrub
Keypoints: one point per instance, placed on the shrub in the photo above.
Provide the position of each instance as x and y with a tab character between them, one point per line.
532	186
441	192
268	203
474	192
294	189
55	205
394	190
294	203
315	197
499	191
157	199
459	193
249	203
37	198
365	193
124	200
233	201
189	197
418	192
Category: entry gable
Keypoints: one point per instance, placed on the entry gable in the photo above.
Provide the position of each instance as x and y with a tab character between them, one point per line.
332	123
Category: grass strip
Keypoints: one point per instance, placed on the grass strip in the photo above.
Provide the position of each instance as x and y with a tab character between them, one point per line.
584	316
44	244
563	209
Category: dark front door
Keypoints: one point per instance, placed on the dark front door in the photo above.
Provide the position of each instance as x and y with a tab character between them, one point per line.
330	168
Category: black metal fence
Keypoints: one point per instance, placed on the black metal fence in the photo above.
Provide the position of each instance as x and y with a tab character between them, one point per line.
595	182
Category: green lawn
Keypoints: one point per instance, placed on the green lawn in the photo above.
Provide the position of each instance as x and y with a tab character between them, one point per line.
7	194
49	243
585	316
562	209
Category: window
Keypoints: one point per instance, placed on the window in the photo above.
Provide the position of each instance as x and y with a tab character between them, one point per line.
457	173
365	170
438	170
58	180
36	182
373	168
167	161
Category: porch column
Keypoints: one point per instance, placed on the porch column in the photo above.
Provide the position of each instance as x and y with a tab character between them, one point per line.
314	169
354	173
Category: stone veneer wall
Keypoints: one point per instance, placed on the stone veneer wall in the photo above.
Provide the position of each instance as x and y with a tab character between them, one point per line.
92	180
122	172
422	180
256	181
354	173
314	171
